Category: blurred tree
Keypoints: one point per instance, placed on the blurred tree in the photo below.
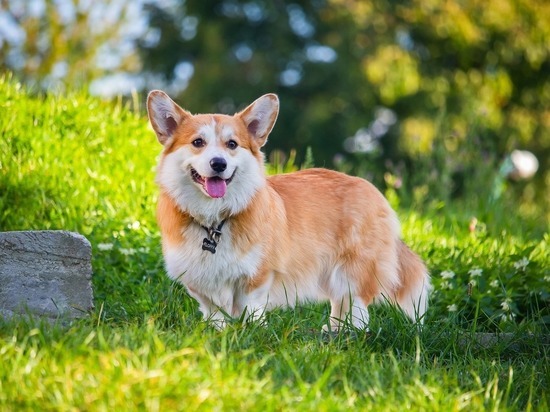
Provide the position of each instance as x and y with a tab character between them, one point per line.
437	93
483	64
240	50
66	42
438	89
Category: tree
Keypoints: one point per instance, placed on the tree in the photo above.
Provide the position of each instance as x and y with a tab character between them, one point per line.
435	93
240	50
438	87
55	44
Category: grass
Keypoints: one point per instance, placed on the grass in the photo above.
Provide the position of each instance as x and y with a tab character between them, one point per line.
76	163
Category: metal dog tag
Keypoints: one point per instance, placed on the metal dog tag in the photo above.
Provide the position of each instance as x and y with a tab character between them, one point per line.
210	245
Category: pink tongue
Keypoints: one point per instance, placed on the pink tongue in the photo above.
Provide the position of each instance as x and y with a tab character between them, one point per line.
215	186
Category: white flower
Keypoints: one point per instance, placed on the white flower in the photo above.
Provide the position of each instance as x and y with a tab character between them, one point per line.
505	305
105	246
475	272
452	308
134	225
446	285
507	317
127	252
521	264
494	283
447	274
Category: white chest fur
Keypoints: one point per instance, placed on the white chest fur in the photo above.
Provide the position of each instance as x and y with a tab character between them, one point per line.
209	273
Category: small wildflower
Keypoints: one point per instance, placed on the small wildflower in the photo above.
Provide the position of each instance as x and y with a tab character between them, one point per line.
475	272
452	308
105	246
507	317
505	305
494	283
473	224
135	225
447	274
127	252
521	264
446	285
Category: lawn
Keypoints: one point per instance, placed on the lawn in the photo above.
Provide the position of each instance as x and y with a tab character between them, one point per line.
77	163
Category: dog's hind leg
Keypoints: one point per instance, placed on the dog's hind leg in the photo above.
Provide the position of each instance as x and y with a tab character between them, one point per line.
348	311
359	314
346	306
339	308
412	294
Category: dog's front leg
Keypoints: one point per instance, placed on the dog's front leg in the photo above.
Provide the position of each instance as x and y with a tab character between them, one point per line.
214	309
250	309
252	297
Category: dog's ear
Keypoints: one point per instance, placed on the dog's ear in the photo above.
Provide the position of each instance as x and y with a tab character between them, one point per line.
260	117
165	115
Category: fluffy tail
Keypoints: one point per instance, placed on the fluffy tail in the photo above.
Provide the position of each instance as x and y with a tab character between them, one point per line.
412	294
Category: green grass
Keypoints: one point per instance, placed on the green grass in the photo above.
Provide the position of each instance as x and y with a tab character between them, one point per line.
76	163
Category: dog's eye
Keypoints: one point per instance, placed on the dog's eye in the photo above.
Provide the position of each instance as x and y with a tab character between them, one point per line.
198	142
232	144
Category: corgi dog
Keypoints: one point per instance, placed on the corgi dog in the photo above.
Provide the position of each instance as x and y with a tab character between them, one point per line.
243	243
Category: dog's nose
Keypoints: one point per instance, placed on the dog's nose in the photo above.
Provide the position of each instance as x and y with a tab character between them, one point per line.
218	164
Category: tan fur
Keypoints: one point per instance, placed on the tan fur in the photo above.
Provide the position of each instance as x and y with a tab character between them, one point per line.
310	235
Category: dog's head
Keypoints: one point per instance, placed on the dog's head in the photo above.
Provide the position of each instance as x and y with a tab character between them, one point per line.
211	163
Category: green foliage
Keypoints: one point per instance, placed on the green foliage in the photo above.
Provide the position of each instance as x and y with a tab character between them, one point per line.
467	81
62	166
487	274
284	366
74	162
60	45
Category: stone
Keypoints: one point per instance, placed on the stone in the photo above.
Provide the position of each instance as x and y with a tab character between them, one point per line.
46	273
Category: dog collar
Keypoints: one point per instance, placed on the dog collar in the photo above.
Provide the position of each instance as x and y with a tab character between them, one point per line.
213	237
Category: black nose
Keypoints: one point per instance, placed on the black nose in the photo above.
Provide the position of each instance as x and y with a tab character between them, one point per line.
218	164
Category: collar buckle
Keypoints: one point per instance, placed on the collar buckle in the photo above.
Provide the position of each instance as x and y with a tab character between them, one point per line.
214	235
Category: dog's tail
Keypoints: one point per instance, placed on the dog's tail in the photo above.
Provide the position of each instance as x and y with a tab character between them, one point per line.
412	293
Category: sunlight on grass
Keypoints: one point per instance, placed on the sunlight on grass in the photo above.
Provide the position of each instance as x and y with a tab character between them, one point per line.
77	163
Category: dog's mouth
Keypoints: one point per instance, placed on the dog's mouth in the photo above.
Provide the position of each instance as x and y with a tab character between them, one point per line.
214	186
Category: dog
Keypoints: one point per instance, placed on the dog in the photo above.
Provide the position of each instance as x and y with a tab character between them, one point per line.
243	243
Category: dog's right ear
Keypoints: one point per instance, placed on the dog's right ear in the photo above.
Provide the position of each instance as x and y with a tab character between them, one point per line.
165	115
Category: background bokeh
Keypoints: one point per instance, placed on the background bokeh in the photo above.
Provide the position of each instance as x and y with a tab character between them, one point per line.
426	98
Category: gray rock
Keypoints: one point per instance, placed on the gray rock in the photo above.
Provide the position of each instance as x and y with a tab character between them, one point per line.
46	273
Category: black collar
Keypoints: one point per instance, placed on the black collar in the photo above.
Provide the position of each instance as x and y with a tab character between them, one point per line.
213	237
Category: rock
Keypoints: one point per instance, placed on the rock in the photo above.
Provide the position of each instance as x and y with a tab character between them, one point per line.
46	273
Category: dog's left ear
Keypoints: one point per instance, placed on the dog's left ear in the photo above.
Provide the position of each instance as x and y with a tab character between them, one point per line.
260	117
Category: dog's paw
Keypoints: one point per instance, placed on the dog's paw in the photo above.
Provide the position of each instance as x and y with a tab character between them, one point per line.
336	327
217	322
